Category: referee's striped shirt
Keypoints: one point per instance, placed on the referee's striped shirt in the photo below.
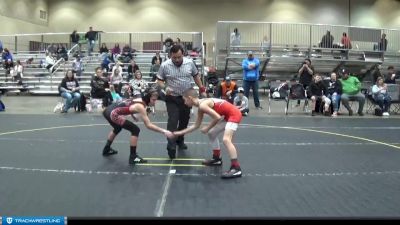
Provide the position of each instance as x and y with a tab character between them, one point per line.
180	78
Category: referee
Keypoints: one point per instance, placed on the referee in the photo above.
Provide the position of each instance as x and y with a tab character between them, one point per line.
175	76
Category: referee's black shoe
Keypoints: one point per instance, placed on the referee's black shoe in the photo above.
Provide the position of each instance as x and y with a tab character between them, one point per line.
107	151
171	153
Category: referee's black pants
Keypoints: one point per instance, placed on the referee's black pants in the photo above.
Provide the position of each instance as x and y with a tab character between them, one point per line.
178	118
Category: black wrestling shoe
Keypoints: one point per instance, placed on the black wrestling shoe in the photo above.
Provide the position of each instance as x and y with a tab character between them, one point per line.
107	151
182	147
171	153
212	162
232	173
136	160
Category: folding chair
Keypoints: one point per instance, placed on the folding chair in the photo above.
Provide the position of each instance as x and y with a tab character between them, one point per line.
277	93
394	92
297	92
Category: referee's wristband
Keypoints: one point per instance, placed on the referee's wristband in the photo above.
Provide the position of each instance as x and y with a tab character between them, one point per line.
202	89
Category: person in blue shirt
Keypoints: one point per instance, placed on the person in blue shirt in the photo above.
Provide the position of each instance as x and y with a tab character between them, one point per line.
251	73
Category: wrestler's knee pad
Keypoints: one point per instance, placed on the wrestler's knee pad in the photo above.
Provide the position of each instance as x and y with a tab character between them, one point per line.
135	130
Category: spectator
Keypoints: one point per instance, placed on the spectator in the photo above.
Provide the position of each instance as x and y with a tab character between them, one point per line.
106	62
168	43
77	67
1	47
154	70
69	89
242	102
391	76
305	73
138	85
227	90
62	52
116	79
178	42
381	96
100	87
18	72
318	92
327	40
251	73
8	65
235	37
176	75
351	87
116	52
103	48
28	62
51	49
115	96
117	66
345	41
126	53
132	68
334	93
74	38
50	61
91	37
157	56
383	42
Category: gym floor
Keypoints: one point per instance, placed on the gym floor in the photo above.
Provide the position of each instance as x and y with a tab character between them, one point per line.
293	167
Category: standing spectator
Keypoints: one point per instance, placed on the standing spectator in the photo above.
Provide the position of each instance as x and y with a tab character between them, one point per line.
334	93
391	76
235	37
242	102
176	75
91	37
100	87
382	45
69	89
77	67
305	73
381	96
157	56
251	73
327	40
74	37
319	92
351	87
345	41
227	90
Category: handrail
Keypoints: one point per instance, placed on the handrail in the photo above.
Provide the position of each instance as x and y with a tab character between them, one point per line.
75	46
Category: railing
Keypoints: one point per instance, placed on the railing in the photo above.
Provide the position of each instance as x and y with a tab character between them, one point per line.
57	66
306	36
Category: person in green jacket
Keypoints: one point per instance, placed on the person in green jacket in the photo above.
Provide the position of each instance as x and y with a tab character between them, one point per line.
351	87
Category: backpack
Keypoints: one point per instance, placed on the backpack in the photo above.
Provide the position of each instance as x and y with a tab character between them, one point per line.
2	106
297	91
378	111
82	103
280	92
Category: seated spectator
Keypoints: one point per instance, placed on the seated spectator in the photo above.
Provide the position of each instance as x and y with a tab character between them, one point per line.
6	55
132	68
103	48
391	76
381	96
116	79
334	93
51	49
157	56
242	102
126	54
69	89
100	87
50	61
138	85
28	62
115	96
327	40
318	91
106	62
18	72
77	67
62	52
228	89
116	52
9	67
351	88
154	70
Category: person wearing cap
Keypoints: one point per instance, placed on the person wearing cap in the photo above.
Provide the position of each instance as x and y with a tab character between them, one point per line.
251	73
227	89
242	102
174	76
351	88
305	73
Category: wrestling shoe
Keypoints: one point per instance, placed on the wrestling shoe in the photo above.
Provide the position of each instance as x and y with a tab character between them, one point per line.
232	173
136	160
